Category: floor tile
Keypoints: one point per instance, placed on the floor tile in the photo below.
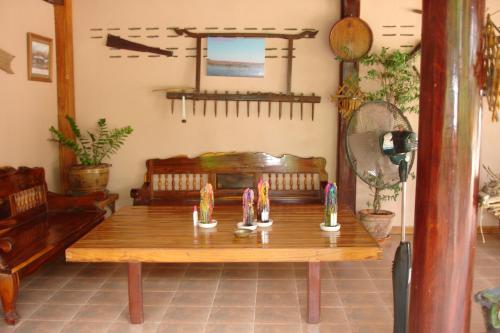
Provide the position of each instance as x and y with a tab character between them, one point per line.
244	286
327	299
71	297
203	273
355	286
109	297
186	314
276	274
277	315
277	328
234	299
229	328
98	312
114	284
34	296
368	315
119	327
276	286
84	284
47	283
55	312
232	315
277	299
335	316
351	273
152	314
361	300
192	298
326	328
241	273
85	327
198	285
157	298
40	326
160	284
180	328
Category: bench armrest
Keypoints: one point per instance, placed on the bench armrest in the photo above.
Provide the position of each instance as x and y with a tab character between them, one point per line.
63	202
141	195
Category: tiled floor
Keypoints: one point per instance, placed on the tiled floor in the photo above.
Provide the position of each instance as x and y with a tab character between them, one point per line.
236	298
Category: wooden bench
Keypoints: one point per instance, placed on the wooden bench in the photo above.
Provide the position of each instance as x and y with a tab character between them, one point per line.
35	226
177	180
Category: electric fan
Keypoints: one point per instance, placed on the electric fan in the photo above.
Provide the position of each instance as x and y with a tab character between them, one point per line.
380	146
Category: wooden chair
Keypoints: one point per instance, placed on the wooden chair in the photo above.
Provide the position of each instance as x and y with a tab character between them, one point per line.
177	180
35	226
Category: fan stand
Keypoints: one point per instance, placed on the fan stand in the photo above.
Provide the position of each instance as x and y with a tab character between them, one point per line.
401	269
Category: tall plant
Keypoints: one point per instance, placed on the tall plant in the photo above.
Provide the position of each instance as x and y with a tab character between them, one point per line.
398	83
92	147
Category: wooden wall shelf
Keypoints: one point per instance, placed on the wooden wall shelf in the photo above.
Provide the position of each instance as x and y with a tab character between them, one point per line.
258	97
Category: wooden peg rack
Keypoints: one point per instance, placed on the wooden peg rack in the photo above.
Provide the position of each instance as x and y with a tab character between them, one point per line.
259	97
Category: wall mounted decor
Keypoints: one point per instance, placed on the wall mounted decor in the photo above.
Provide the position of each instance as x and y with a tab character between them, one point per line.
39	58
240	57
248	97
6	61
351	38
491	54
123	44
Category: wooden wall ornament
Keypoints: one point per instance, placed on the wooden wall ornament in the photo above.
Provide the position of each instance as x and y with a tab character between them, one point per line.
491	54
123	44
351	38
6	61
249	97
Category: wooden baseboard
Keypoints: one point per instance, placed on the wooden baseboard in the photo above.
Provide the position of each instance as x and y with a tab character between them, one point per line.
490	229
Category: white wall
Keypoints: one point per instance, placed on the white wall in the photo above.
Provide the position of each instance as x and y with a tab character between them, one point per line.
27	108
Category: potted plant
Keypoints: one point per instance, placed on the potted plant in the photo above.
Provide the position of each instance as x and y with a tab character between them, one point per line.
398	83
91	174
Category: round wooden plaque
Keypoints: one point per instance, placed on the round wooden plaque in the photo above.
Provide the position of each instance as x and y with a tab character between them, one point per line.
351	38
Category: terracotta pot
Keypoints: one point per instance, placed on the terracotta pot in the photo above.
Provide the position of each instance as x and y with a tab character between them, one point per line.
84	179
378	225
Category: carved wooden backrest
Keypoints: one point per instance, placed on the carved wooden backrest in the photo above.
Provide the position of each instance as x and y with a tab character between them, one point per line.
23	192
179	179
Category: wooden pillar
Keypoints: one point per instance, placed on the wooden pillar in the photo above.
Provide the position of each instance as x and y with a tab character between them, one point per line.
448	163
65	82
346	178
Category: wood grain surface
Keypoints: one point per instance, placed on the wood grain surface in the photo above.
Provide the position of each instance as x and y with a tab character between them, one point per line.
166	234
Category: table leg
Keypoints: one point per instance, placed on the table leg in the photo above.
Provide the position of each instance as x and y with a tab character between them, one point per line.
313	292
135	304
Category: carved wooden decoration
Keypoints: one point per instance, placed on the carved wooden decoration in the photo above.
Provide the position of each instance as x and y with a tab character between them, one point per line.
6	61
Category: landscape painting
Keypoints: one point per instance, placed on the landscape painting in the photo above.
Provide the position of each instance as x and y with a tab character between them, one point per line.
241	57
39	58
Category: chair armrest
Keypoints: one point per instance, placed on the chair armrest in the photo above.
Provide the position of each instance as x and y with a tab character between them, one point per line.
141	195
63	202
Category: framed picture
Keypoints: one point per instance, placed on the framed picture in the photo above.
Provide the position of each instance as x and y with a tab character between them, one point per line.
242	57
39	58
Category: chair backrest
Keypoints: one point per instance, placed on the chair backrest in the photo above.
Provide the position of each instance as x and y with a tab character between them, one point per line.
23	192
179	179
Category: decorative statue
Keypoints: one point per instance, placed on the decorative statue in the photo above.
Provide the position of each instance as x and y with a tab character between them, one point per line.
248	207
263	206
331	205
206	203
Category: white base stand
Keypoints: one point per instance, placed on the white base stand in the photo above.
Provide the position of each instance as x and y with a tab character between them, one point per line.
265	224
327	228
207	225
241	225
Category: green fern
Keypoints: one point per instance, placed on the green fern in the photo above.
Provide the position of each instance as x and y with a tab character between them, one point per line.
92	148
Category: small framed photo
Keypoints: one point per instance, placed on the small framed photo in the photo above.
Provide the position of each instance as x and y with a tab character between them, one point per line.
39	58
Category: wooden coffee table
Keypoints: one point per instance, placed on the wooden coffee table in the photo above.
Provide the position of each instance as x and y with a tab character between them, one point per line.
165	234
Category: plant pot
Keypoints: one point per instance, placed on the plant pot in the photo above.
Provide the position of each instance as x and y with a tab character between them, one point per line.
84	179
378	225
490	306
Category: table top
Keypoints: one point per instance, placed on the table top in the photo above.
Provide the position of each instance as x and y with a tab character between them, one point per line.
166	234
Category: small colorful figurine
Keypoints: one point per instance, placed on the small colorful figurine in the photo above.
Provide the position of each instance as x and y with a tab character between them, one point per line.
263	206
248	207
206	203
331	205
